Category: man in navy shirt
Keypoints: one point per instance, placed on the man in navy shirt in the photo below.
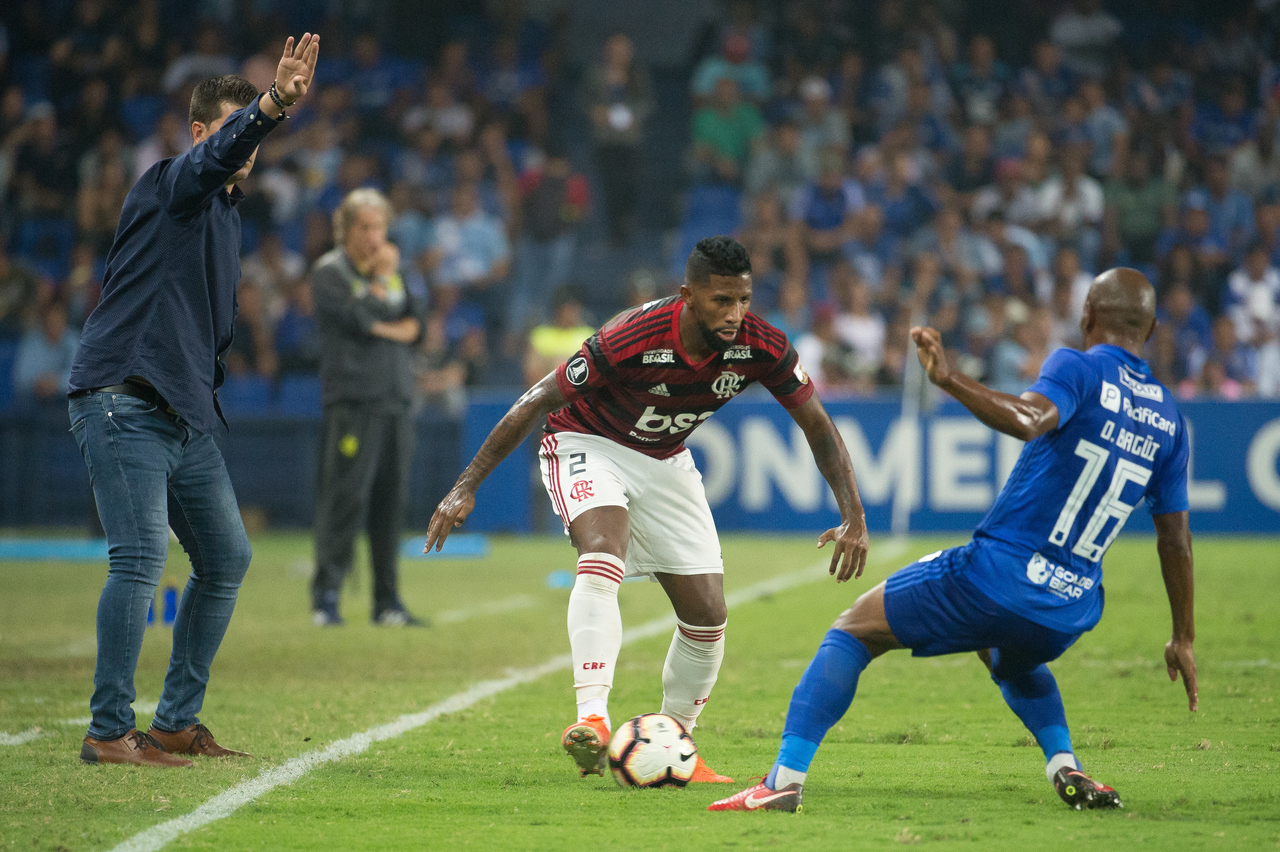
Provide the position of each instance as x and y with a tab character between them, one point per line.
1102	435
144	408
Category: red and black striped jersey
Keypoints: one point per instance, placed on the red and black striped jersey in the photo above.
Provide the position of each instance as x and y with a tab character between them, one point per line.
633	382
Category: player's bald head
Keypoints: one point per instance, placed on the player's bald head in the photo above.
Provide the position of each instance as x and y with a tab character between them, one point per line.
1121	304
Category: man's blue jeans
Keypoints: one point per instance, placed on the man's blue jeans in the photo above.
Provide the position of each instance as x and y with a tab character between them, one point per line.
151	471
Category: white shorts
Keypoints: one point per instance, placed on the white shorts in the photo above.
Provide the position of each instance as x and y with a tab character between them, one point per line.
672	531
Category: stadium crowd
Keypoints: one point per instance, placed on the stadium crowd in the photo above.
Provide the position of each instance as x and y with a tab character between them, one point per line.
886	163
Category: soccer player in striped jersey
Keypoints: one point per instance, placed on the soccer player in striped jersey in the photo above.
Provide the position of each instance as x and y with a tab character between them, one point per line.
620	478
1102	435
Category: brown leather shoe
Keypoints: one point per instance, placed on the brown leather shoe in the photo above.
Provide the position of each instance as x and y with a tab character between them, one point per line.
194	739
133	747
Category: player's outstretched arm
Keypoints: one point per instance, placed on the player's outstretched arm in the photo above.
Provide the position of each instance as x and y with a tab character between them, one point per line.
850	555
1173	543
1024	417
537	402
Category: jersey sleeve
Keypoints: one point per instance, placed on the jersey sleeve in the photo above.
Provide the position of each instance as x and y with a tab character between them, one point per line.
1167	491
586	371
1064	380
788	382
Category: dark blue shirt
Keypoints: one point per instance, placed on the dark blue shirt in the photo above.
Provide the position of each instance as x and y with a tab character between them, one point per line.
169	293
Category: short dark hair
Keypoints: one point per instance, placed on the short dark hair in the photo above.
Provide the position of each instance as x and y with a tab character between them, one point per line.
211	94
716	256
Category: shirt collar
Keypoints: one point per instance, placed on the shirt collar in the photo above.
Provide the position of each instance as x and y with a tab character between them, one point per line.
1124	355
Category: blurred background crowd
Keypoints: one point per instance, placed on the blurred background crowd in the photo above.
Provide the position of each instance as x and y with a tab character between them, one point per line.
886	163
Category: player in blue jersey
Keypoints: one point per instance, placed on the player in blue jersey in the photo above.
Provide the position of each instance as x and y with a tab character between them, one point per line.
1101	434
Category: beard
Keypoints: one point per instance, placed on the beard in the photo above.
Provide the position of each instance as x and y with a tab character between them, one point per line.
714	340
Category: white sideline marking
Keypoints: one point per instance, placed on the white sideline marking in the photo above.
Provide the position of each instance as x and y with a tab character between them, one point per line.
8	739
511	604
226	803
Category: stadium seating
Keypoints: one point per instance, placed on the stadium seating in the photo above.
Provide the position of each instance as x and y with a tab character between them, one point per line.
245	396
8	355
46	245
299	396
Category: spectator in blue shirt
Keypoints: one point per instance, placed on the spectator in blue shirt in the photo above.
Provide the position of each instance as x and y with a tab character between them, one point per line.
1106	128
470	253
1191	324
826	214
516	87
981	82
906	202
42	371
1220	127
1194	232
1047	82
1162	91
143	410
1230	210
1239	361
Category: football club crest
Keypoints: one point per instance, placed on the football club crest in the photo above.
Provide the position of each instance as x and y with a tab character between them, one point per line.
726	384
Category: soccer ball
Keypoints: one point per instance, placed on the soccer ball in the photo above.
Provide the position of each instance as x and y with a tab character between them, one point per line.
652	750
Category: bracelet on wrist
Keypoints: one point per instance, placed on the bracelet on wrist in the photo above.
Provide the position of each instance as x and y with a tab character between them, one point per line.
274	94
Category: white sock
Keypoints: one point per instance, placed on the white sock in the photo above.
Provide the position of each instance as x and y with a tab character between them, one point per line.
595	631
785	777
1058	761
693	662
594	707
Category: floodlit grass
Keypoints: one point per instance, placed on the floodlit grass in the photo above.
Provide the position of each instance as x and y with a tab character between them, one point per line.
927	755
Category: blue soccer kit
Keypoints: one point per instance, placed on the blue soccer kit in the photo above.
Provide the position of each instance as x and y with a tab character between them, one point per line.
1030	581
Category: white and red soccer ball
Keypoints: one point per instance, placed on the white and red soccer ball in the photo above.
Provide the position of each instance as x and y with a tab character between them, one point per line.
652	750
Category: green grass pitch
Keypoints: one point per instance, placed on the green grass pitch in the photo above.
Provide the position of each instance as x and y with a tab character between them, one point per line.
927	755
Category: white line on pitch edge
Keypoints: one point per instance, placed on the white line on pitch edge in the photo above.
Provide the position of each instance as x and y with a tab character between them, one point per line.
511	604
8	739
228	802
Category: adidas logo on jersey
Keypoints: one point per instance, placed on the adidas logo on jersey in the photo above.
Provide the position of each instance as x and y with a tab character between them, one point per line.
660	390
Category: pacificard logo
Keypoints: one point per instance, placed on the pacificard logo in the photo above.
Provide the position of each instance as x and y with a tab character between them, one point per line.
726	384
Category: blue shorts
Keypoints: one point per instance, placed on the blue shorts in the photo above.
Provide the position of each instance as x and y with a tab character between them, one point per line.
934	609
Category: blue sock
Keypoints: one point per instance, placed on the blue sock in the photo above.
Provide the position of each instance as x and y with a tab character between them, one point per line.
820	699
1033	695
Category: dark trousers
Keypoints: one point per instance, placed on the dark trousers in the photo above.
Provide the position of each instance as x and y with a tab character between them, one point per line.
619	167
365	454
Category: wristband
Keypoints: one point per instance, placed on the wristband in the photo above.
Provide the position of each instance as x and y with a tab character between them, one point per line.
274	94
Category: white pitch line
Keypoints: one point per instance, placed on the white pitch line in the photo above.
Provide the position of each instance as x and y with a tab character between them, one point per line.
511	604
8	739
228	802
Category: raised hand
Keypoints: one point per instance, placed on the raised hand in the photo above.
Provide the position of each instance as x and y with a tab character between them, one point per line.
932	356
297	67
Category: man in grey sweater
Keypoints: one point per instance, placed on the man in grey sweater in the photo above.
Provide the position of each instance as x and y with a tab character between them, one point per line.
368	326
